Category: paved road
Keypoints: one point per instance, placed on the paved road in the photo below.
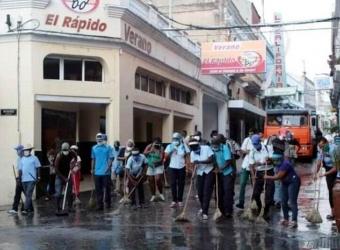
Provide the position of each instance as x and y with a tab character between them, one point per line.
154	228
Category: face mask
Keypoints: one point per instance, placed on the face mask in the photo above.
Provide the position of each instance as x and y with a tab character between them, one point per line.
100	142
326	148
258	147
66	152
176	142
51	159
215	149
27	153
157	146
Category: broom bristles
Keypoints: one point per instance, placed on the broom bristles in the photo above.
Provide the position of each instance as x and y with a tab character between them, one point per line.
248	215
253	205
182	218
314	217
217	214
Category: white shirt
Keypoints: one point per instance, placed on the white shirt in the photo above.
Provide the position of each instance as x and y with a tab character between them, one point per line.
246	146
204	155
260	157
177	155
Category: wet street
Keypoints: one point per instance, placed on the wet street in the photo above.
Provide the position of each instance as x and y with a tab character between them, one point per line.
154	227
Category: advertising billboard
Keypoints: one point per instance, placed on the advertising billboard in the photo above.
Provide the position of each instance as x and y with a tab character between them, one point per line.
233	57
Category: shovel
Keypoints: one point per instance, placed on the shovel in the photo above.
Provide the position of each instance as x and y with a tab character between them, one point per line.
63	212
181	217
218	212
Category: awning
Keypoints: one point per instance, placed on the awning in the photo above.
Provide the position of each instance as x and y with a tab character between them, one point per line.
241	104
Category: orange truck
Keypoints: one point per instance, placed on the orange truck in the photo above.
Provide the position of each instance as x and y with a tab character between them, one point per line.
301	123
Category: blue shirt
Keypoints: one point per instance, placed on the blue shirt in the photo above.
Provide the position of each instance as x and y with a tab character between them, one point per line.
221	156
28	165
287	167
204	154
102	154
327	157
177	155
135	164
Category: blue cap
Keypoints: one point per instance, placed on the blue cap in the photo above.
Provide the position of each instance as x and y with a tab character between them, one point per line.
255	139
19	147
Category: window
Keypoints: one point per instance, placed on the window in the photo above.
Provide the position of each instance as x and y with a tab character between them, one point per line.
73	70
152	86
144	83
52	68
160	88
93	71
180	95
137	81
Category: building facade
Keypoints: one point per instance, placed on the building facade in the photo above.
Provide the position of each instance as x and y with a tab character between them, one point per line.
244	90
71	71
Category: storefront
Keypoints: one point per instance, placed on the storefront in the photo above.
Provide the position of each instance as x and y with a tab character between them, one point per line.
73	72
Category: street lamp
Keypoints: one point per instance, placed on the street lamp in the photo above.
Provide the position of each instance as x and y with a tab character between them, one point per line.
19	28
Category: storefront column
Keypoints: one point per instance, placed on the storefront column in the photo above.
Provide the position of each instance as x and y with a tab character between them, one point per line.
168	127
222	118
242	130
112	122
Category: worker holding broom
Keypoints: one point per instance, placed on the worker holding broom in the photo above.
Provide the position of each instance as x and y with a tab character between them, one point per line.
136	169
226	175
202	157
326	160
258	161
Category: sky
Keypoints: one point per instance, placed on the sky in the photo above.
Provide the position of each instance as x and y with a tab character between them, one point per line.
310	47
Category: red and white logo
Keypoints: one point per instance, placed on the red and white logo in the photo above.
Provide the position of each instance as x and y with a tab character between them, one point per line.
81	6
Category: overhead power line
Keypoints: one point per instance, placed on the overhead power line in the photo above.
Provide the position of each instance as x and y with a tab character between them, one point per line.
270	25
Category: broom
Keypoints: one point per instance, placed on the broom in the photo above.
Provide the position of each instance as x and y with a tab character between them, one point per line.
218	212
15	179
181	217
166	184
248	213
314	215
92	203
260	218
117	211
63	212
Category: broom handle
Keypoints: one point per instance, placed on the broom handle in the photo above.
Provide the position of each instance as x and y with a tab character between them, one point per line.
189	192
318	201
66	189
135	186
217	190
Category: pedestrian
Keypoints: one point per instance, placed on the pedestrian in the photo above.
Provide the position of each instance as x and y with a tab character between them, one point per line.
76	174
226	176
202	157
246	147
51	154
102	158
154	153
290	187
259	166
325	159
117	166
63	168
136	169
293	147
235	150
29	175
177	152
18	185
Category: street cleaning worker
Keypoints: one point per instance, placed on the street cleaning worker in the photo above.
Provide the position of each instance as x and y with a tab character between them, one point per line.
177	151
325	159
226	176
117	166
202	157
154	153
18	186
76	174
29	175
102	158
258	164
51	155
290	187
136	168
246	147
62	168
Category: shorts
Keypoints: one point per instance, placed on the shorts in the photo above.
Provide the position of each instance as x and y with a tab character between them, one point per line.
155	171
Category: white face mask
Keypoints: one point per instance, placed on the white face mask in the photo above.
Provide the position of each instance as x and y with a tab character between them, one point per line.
197	138
66	152
51	159
27	153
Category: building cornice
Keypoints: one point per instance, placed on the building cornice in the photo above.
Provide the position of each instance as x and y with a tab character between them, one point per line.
16	4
